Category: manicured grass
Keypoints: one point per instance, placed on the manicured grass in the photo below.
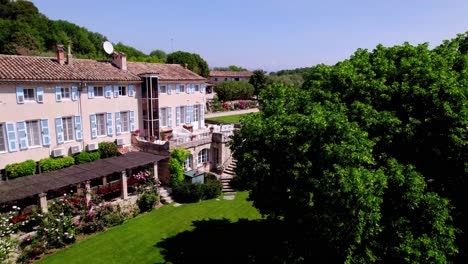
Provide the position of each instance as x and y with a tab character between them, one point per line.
135	241
227	119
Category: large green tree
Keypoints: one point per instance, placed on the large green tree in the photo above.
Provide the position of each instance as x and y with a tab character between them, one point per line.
364	152
194	61
258	80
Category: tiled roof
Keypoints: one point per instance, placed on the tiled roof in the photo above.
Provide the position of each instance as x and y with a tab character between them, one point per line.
28	68
244	74
165	72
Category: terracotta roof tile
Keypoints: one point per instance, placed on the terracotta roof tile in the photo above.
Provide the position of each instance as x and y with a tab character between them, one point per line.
244	74
28	68
166	72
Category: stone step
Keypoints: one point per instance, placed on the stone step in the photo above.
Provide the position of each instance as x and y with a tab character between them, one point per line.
228	189
229	193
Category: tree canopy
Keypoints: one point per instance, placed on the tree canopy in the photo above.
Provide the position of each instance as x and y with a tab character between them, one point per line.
194	61
363	154
231	68
258	80
234	90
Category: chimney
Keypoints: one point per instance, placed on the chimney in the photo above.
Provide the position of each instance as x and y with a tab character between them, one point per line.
69	55
119	59
60	55
185	65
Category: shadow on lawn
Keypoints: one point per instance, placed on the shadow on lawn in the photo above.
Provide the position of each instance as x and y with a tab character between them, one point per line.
245	241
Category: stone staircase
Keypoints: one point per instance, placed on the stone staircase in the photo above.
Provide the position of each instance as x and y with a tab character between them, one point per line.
227	176
165	194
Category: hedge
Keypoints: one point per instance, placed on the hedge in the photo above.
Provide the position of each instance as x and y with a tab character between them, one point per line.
51	164
108	149
85	157
194	192
20	169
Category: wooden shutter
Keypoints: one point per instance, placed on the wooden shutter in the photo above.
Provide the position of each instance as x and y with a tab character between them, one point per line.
178	116
131	91
177	88
202	88
58	94
116	91
74	93
169	116
202	115
92	119
59	130
11	135
22	135
110	128
169	89
132	121
90	92
108	90
20	95
45	132
118	126
40	94
160	117
78	128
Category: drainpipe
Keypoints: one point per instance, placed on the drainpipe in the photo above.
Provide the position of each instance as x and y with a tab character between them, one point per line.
80	111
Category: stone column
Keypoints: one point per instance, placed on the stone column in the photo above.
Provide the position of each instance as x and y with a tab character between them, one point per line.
79	189
155	169
104	180
123	182
88	192
43	202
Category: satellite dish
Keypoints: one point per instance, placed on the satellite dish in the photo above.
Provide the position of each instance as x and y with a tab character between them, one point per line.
108	48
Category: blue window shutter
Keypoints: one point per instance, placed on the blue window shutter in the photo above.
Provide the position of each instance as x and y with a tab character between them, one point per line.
19	95
108	89
40	94
110	127
22	135
169	116
187	88
11	135
58	94
187	114
132	121
202	88
177	88
59	130
169	89
78	128
116	91
177	116
131	91
45	132
90	91
74	93
193	88
118	126
92	119
160	117
202	115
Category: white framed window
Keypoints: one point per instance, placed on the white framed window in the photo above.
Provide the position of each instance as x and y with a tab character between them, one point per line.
197	88
182	88
2	138
33	130
68	129
188	162
29	94
182	115
98	91
101	124
65	91
162	89
202	156
196	112
122	90
124	122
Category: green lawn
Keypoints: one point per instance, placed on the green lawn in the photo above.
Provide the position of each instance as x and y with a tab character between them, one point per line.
227	119
136	240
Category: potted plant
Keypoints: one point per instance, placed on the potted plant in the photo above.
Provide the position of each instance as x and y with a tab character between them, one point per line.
211	129
162	135
220	168
152	139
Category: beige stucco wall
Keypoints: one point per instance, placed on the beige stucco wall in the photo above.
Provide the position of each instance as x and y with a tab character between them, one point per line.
11	111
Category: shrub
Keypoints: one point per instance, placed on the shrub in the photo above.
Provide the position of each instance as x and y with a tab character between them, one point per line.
147	201
194	192
176	166
108	149
233	90
24	168
51	164
85	157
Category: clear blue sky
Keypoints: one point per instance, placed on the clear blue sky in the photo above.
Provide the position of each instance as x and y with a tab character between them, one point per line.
267	34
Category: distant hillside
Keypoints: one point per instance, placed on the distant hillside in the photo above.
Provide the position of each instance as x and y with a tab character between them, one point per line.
25	31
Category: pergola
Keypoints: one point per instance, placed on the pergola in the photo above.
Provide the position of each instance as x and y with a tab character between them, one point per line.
40	184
